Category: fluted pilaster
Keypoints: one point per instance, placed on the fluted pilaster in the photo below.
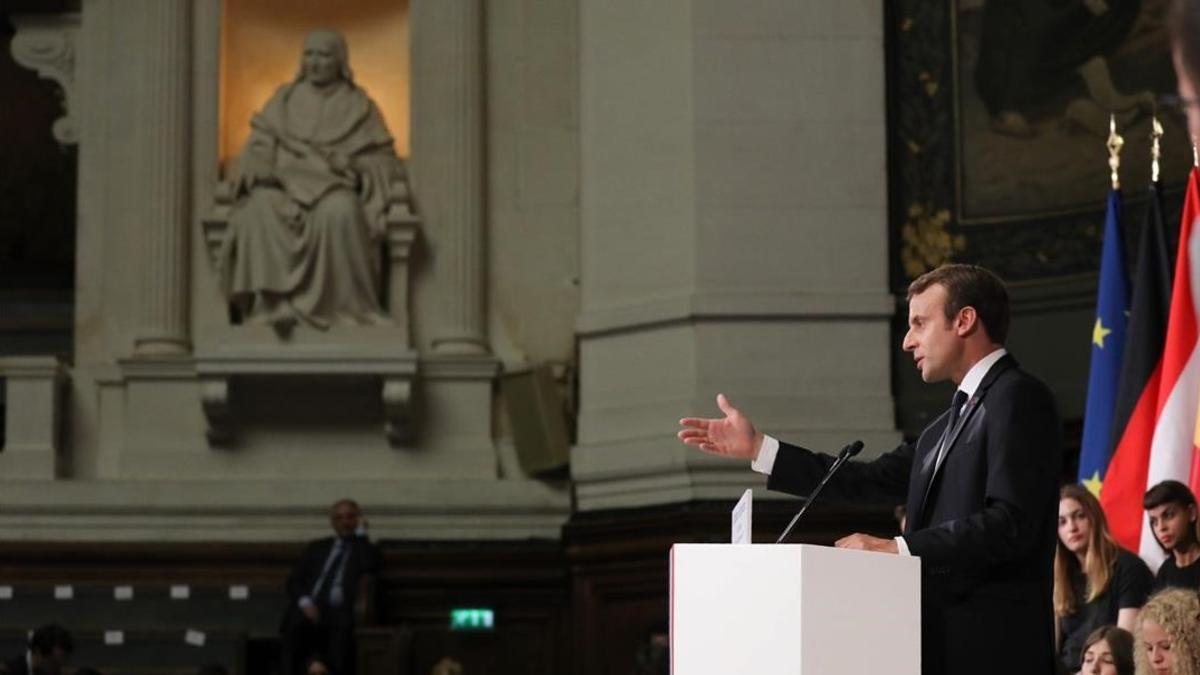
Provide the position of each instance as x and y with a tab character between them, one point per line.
163	310
448	163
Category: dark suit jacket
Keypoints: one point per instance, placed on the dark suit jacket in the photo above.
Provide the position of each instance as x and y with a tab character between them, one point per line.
364	560
986	531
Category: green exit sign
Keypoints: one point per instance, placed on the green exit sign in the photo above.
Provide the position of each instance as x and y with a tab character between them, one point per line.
472	619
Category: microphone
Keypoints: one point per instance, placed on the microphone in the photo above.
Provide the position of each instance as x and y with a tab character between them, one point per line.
843	456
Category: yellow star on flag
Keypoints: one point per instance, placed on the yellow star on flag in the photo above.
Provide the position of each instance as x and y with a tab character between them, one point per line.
1099	333
1093	484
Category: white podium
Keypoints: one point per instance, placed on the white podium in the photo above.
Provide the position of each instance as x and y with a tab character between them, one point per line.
795	609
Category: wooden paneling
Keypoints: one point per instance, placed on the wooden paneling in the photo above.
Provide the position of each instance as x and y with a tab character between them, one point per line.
583	605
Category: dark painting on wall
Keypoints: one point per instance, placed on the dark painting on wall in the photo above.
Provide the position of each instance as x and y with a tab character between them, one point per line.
998	116
1036	83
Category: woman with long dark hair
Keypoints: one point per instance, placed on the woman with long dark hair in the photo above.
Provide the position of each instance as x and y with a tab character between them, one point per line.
1096	582
1171	509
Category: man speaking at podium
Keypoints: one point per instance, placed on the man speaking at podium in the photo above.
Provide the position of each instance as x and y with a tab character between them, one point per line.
980	483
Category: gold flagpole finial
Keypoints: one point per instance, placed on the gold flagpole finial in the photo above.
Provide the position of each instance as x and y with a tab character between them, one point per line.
1156	134
1195	151
1114	144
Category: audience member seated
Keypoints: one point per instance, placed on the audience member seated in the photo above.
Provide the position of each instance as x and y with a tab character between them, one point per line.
1167	638
447	666
653	657
1107	651
49	648
1096	582
321	593
316	666
1171	508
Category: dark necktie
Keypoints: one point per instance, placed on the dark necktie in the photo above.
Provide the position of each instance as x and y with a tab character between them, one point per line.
337	553
956	405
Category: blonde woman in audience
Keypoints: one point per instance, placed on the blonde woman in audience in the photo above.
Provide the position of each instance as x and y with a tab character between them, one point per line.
1167	639
1107	651
1096	582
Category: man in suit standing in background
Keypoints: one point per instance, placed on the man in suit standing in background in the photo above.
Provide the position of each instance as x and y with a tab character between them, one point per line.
980	484
321	592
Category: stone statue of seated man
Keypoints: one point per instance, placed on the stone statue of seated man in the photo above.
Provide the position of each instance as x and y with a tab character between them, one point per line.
310	192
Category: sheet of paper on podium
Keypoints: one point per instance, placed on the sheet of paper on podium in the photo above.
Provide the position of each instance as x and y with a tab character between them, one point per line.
742	527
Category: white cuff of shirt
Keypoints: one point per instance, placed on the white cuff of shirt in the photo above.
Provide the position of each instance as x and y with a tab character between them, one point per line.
305	601
765	461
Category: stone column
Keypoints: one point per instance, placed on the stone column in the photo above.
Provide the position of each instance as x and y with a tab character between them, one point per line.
162	315
734	239
448	162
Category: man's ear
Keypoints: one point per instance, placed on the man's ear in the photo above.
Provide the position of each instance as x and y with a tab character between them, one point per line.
966	322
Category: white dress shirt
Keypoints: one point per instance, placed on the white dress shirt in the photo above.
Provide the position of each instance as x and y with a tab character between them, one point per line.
765	461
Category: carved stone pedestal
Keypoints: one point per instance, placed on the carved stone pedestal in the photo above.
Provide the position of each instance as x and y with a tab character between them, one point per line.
395	370
382	353
33	397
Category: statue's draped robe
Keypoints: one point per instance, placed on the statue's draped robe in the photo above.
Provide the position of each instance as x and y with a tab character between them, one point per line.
306	244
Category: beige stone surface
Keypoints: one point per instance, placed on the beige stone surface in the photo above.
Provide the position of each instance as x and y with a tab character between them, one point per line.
734	231
140	466
688	194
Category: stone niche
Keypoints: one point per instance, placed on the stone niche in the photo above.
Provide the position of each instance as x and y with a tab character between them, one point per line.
358	322
188	421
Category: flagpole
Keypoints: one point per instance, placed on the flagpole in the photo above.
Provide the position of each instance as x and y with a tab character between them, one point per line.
1108	334
1114	144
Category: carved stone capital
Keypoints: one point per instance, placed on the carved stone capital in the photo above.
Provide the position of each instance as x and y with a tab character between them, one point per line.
45	43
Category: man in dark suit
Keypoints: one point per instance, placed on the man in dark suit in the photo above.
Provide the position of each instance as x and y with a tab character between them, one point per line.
980	484
321	591
49	648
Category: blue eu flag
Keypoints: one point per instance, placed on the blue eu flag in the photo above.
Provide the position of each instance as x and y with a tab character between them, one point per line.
1108	345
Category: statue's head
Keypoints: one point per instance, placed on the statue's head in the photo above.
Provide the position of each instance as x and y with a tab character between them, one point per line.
325	58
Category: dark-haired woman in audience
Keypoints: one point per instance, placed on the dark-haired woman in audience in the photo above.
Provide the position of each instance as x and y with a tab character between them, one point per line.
1167	639
1171	508
1096	582
1107	651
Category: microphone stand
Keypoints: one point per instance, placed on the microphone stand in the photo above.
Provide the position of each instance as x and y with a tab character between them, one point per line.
843	456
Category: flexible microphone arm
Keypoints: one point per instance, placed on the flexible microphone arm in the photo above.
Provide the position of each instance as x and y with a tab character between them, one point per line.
843	456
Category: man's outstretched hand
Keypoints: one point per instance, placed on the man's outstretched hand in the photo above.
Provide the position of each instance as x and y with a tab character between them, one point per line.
730	436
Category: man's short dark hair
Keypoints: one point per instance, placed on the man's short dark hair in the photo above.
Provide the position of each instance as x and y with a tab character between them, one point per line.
1183	22
970	286
1168	492
46	638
